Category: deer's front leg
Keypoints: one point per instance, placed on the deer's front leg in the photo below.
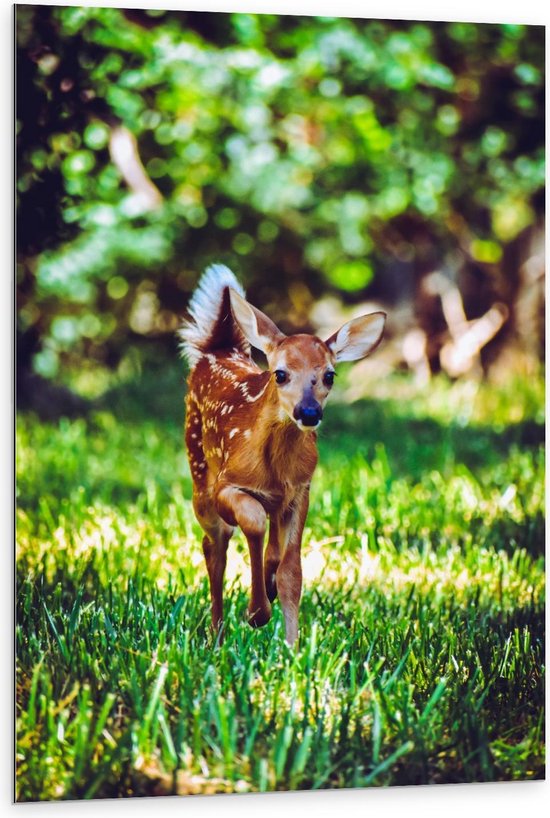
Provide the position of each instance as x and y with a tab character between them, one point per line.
289	573
237	507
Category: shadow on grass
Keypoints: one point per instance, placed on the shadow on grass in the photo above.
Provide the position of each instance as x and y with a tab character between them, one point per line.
132	442
415	445
412	445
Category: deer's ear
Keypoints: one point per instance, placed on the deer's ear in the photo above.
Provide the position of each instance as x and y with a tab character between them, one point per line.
259	330
358	337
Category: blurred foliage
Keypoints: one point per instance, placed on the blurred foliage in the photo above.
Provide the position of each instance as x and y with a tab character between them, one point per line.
309	154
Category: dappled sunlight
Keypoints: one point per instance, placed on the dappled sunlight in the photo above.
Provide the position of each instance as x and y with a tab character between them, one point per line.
463	402
447	573
122	546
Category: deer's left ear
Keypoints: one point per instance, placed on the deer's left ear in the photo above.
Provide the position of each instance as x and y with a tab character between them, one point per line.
358	337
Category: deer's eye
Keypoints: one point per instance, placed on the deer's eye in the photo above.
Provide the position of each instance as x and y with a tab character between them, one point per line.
280	376
328	378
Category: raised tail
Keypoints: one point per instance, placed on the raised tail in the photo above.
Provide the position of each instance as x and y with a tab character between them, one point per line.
210	325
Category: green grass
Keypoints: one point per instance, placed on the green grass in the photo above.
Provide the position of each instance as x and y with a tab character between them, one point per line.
422	623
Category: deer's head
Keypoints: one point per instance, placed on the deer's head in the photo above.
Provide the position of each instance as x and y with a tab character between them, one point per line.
302	366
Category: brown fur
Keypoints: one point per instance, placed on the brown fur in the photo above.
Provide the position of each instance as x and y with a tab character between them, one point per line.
268	461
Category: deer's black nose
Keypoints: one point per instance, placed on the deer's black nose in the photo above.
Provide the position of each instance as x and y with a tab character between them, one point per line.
309	413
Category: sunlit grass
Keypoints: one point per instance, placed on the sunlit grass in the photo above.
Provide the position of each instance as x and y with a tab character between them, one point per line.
421	650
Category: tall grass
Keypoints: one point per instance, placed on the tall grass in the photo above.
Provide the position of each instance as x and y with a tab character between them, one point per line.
421	651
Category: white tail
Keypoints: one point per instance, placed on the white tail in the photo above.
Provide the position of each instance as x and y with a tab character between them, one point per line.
204	311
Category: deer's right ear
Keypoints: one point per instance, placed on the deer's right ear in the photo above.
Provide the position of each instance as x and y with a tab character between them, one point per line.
259	330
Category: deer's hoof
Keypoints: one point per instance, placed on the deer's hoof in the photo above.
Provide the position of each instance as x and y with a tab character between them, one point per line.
259	617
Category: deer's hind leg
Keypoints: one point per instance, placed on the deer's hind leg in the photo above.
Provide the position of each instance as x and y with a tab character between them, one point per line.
214	546
217	532
272	557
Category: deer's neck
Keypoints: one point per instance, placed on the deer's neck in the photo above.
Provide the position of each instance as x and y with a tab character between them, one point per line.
289	453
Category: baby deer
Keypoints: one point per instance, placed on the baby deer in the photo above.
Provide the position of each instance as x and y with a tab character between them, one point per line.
250	434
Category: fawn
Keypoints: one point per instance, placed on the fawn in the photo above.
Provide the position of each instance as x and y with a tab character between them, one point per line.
250	434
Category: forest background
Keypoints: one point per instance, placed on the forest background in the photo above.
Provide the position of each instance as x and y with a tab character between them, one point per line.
328	161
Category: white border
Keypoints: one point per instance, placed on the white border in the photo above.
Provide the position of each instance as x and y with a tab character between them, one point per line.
489	11
507	800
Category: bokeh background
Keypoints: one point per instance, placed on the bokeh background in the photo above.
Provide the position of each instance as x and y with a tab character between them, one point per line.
334	164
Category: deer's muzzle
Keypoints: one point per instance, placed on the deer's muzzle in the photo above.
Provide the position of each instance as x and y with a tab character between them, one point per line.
309	411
